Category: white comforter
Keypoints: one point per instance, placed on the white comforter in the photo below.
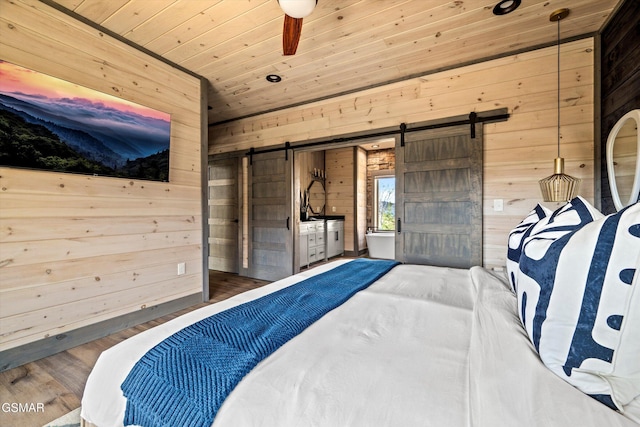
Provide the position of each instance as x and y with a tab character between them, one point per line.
395	354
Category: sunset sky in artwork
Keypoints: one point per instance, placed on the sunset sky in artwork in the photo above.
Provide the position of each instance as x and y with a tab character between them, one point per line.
15	80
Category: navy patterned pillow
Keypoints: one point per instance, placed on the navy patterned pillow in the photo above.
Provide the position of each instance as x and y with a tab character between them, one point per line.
579	301
516	240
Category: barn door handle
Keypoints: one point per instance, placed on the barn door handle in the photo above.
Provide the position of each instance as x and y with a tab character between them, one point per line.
288	218
399	225
234	220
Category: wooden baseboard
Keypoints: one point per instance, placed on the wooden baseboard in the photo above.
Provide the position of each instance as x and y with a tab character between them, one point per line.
351	254
21	355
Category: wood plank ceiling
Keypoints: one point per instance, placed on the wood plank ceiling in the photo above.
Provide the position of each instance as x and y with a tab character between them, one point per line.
346	45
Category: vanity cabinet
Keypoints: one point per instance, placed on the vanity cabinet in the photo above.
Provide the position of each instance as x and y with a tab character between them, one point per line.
335	237
312	242
304	245
320	240
317	248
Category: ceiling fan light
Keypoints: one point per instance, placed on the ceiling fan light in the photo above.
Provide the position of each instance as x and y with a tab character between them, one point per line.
297	8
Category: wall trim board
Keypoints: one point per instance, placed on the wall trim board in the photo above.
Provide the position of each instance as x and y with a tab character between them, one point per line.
598	153
204	187
356	246
32	351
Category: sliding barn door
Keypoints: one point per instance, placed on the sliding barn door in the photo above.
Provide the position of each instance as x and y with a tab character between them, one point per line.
439	197
223	215
270	216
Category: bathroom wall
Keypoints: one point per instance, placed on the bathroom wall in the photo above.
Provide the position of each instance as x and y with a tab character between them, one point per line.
340	167
361	201
306	161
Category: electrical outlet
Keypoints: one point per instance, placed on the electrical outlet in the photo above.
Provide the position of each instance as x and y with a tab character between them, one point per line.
333	208
182	268
498	205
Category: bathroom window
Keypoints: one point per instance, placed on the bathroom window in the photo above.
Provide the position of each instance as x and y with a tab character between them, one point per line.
384	190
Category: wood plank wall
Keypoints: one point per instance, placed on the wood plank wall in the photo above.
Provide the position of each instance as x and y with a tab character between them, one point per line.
307	162
77	249
620	91
517	152
341	190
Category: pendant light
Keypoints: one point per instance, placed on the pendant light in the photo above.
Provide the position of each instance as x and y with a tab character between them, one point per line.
559	187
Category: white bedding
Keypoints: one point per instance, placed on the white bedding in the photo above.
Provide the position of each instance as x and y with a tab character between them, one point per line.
509	383
395	354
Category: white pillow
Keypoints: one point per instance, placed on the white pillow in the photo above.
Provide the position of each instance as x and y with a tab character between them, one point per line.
508	384
578	299
516	240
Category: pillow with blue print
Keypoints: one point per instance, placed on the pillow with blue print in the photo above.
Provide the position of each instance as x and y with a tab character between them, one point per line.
578	298
571	216
549	237
568	218
516	239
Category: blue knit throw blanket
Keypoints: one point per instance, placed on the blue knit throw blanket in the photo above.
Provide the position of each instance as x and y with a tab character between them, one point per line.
183	380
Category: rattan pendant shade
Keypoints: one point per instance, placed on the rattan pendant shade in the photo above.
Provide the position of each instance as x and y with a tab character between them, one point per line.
559	187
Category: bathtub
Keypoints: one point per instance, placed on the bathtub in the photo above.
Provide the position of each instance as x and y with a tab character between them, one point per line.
381	245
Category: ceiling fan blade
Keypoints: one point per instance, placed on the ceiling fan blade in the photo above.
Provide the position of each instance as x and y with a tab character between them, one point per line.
291	34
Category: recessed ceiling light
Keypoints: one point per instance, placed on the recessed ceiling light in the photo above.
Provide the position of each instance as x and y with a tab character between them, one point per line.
273	78
506	6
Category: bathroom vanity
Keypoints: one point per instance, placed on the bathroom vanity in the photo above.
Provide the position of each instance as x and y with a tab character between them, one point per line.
335	237
321	238
312	242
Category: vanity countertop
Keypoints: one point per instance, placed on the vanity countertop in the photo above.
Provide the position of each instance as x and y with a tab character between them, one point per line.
325	217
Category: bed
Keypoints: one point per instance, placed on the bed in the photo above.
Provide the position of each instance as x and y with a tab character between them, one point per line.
553	342
421	345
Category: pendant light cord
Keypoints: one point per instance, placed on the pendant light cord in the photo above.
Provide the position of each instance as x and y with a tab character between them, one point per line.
558	87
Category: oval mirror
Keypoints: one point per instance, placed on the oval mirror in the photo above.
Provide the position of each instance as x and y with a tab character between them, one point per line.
316	197
623	162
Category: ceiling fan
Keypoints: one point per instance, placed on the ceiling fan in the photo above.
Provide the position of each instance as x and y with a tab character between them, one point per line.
294	11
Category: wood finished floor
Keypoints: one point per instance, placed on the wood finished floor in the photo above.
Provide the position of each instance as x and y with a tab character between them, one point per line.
58	381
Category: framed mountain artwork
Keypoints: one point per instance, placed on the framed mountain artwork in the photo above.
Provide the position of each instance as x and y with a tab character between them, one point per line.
51	124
